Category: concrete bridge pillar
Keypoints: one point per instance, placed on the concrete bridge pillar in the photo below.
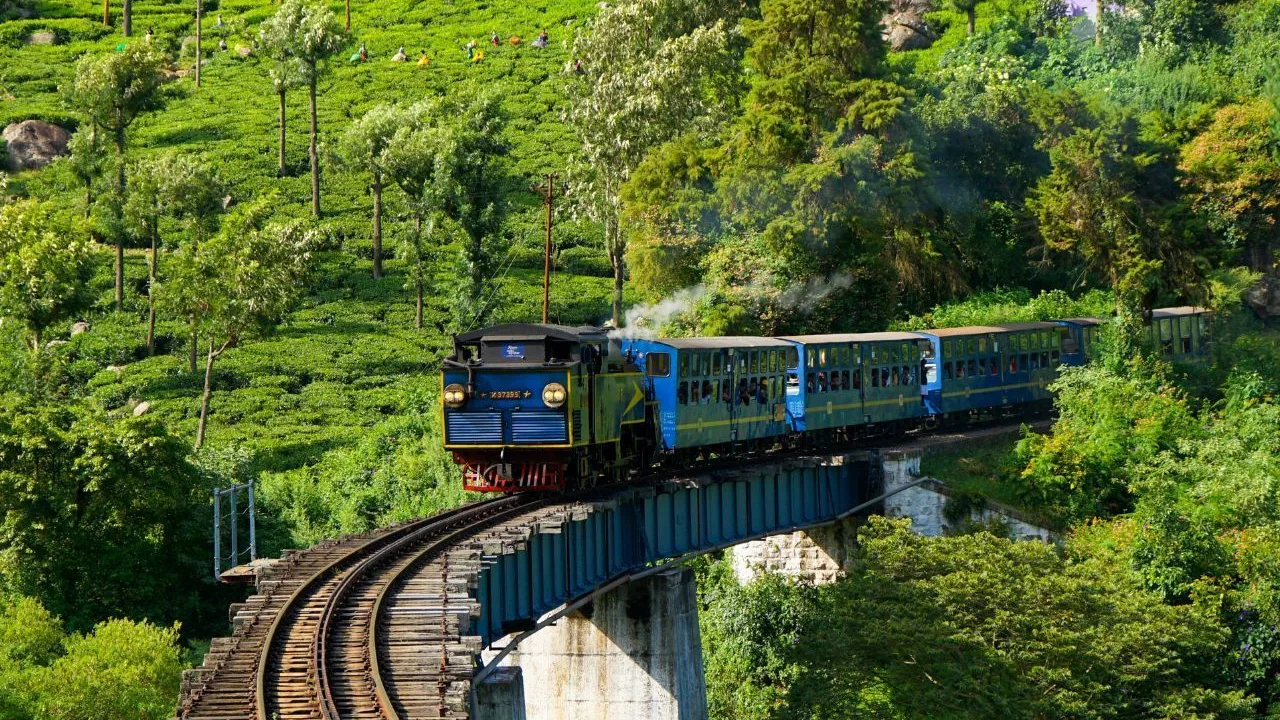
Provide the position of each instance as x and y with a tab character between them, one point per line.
636	652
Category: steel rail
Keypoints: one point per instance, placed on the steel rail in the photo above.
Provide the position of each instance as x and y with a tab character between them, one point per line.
435	531
274	632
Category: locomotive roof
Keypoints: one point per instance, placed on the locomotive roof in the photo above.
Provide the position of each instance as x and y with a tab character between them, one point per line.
853	337
1177	311
533	331
989	329
717	343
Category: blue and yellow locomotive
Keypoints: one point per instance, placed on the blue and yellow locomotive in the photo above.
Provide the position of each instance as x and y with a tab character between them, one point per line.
546	407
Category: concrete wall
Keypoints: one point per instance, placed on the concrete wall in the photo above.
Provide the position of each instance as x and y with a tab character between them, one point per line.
926	503
635	653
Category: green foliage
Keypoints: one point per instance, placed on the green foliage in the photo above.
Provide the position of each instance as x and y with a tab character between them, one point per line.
995	307
973	626
87	499
1110	422
42	267
123	669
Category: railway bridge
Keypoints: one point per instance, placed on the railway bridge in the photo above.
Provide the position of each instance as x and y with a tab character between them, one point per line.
433	618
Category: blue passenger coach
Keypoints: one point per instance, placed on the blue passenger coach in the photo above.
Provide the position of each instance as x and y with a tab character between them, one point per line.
709	391
990	367
856	380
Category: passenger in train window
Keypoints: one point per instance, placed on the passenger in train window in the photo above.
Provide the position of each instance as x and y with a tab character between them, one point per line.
708	396
994	365
947	374
726	392
682	393
809	383
893	377
973	367
695	394
857	379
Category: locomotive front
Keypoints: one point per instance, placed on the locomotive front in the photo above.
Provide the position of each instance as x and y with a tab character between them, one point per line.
509	398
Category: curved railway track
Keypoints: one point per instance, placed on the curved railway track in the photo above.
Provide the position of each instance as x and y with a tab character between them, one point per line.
308	645
370	626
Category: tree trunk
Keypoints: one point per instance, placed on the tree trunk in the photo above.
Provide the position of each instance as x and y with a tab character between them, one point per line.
377	226
119	272
120	185
88	199
1097	27
37	337
204	398
314	155
106	13
617	261
199	55
348	4
280	92
417	314
127	16
417	265
151	294
191	354
971	13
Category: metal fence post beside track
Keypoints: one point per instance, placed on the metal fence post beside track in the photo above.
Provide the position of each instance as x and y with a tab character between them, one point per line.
217	535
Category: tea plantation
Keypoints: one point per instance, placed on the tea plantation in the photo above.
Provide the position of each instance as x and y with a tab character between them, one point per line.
347	364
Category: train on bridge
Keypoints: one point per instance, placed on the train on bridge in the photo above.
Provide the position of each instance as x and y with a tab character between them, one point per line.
529	407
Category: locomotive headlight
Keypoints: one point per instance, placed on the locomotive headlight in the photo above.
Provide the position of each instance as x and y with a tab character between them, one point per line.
455	395
554	395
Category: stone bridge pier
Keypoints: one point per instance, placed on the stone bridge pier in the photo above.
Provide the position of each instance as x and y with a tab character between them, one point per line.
635	652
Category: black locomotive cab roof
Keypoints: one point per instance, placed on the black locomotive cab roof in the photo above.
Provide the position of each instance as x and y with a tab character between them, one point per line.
526	343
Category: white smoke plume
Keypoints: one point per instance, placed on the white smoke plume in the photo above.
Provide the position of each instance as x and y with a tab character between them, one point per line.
804	297
645	320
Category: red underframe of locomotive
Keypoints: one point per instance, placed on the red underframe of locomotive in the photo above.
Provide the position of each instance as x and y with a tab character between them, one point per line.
516	474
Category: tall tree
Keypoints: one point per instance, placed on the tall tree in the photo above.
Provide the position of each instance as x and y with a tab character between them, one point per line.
1115	204
126	17
648	68
85	161
1232	170
318	37
276	36
970	9
361	148
171	186
42	267
415	161
471	191
239	282
110	92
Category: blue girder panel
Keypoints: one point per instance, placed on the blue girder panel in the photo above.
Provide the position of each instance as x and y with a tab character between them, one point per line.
568	556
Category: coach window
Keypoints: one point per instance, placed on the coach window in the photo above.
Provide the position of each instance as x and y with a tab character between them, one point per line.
684	365
682	393
793	358
695	393
658	365
1022	361
982	345
875	377
809	382
857	378
715	363
742	362
1044	359
982	366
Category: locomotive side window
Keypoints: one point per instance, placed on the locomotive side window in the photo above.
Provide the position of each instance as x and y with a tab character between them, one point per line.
658	365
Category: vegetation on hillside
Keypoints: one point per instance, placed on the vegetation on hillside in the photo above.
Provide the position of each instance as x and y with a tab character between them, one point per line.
313	219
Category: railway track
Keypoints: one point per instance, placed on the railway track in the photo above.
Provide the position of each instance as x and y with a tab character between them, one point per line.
308	645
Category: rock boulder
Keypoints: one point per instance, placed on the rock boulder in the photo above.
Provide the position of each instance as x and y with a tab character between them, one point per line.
1264	297
33	144
905	27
